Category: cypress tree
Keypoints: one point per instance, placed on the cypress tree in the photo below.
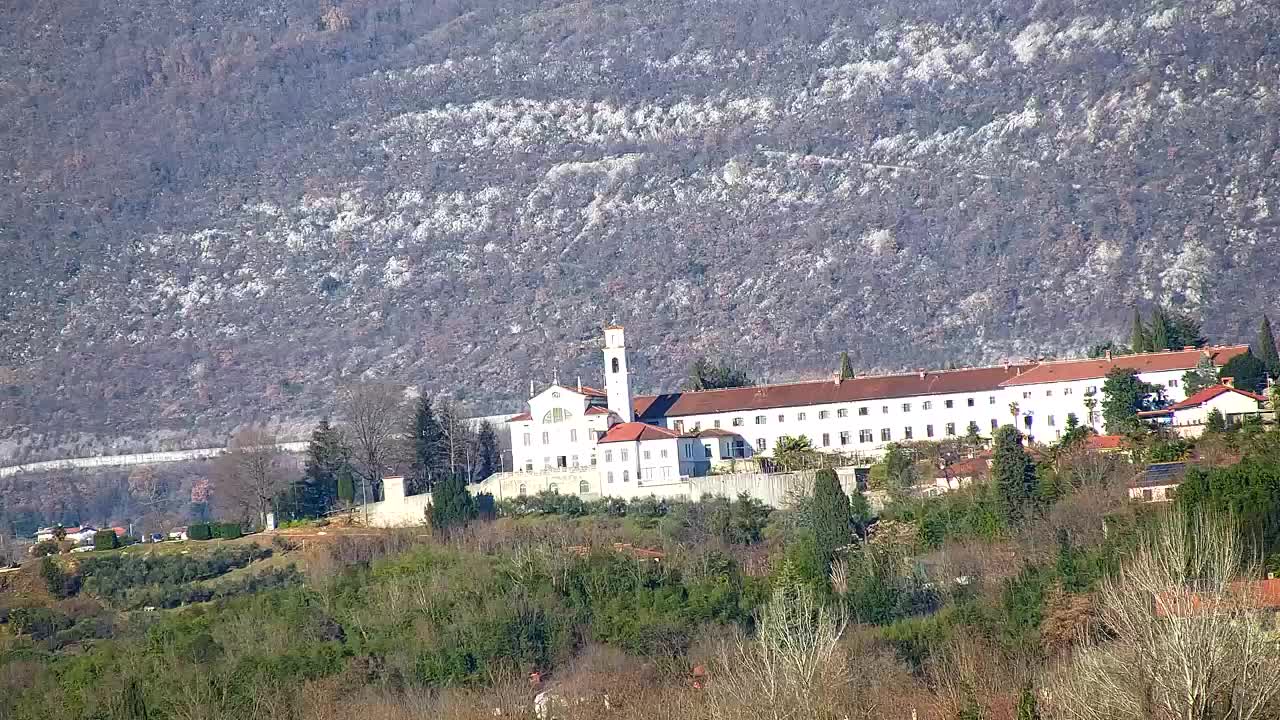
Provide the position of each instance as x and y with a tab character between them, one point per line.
1265	348
490	460
1013	473
832	520
846	367
1159	331
346	485
1138	337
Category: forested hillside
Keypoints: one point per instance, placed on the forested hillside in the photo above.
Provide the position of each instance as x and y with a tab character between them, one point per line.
213	212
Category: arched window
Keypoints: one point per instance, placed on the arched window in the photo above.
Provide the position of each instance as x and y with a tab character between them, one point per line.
523	490
616	365
626	476
554	488
555	415
584	487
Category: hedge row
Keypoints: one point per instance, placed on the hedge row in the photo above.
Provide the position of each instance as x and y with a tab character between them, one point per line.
209	531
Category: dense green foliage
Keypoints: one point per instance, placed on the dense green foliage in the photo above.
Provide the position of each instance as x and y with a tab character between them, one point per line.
1013	473
116	577
1265	349
1124	395
707	375
832	519
1247	372
105	540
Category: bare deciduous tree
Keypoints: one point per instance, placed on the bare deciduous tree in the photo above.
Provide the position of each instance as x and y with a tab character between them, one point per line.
794	667
1179	636
251	474
372	422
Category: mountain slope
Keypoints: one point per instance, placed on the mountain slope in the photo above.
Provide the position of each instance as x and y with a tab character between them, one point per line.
212	212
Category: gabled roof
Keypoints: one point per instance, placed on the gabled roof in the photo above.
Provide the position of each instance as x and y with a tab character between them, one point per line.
1212	392
591	392
965	468
597	410
637	431
821	392
522	417
1097	368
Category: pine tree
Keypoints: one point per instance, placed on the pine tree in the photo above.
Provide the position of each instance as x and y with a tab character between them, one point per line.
1215	422
346	485
326	455
1159	331
832	520
1013	473
1248	371
427	440
846	367
1265	348
490	456
1203	376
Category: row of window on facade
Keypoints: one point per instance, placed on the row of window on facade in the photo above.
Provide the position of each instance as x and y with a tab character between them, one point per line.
584	487
839	413
573	436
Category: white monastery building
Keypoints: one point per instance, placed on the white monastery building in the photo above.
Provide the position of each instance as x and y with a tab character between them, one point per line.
606	443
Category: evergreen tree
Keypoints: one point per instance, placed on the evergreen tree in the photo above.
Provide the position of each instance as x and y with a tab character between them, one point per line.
846	367
1248	371
1159	331
1139	340
1013	473
832	519
1265	348
706	375
317	493
451	505
1183	330
860	515
1204	375
1215	422
346	485
427	440
490	460
1124	395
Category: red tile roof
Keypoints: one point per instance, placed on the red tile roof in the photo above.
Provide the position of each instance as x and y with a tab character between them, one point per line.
1067	370
965	469
1210	393
633	431
1249	595
522	417
819	392
597	410
1105	442
591	392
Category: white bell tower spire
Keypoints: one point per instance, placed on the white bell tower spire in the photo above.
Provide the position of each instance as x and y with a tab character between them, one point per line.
616	381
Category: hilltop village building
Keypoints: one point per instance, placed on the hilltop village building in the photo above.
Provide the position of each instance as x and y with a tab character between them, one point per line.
597	443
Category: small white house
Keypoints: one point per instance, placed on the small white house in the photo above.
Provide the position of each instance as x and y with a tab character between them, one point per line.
637	458
1158	482
1190	417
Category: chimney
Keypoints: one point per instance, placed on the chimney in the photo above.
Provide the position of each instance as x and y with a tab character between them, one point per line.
838	379
1108	356
1229	381
579	383
921	374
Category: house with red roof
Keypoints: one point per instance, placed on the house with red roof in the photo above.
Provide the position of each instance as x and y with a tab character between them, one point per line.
1041	398
638	459
1189	417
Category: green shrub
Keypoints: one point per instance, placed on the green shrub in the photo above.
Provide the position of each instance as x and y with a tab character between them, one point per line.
200	531
229	531
44	548
105	540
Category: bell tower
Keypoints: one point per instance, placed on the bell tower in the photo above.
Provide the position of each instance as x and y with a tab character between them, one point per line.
616	382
